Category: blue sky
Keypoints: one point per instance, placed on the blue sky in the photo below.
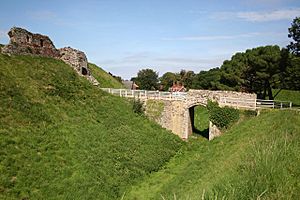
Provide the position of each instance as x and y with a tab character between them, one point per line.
124	36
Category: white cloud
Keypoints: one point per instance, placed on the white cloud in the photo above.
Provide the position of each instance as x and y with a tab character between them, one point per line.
3	34
222	37
259	16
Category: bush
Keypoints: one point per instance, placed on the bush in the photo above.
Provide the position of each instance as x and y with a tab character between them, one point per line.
250	113
222	117
137	107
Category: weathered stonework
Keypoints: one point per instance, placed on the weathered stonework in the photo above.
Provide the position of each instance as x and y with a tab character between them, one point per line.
77	59
214	131
22	42
177	116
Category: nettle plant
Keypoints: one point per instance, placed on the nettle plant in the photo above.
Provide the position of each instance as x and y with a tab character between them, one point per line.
222	117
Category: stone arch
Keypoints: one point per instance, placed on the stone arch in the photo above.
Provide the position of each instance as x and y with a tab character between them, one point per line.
190	115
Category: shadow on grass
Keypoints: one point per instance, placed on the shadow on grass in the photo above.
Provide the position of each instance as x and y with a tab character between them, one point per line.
203	133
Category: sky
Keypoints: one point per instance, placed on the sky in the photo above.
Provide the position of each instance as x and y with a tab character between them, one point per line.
125	36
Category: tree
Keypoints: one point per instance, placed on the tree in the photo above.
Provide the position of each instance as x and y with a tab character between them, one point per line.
257	70
186	78
147	79
208	80
168	79
294	33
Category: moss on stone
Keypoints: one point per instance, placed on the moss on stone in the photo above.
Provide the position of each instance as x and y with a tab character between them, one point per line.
154	108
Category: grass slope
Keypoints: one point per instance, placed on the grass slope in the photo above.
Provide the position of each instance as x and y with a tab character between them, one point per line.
61	138
105	80
288	95
256	159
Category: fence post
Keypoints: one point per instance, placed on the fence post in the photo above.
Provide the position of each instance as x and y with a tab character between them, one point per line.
280	105
273	104
290	104
125	93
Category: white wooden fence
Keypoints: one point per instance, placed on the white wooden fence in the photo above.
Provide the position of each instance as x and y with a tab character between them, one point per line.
254	103
146	94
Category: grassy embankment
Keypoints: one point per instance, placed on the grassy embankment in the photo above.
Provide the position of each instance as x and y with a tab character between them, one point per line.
62	138
105	80
288	95
256	159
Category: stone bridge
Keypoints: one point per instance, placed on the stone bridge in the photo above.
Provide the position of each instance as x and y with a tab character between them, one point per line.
175	111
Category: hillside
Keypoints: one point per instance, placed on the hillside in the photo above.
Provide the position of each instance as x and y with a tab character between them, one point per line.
62	138
256	159
105	80
288	95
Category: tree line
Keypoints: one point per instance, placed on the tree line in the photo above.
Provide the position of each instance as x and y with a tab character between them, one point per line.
258	70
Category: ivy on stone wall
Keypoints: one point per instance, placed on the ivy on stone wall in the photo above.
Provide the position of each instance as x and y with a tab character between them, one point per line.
222	117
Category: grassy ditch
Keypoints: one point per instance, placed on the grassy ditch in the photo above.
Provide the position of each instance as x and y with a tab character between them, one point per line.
62	138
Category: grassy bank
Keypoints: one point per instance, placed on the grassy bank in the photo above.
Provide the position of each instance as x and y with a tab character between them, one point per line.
105	79
288	95
62	138
255	159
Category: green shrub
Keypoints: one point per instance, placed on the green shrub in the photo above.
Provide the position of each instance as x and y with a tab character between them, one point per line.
222	117
250	113
137	107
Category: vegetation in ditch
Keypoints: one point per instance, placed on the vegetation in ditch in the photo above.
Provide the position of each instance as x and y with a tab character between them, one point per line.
62	138
256	159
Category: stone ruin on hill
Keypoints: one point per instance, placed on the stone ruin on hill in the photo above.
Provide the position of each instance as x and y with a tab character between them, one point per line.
22	42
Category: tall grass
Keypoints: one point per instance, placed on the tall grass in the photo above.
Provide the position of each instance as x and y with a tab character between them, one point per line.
62	138
256	159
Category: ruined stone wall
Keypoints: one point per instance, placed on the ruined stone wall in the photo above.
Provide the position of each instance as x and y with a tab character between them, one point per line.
77	59
23	42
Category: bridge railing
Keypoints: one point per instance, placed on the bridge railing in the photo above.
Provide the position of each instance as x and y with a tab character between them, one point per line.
145	94
273	104
254	103
224	101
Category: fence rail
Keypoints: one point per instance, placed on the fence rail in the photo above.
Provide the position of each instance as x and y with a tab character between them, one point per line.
254	103
182	96
145	94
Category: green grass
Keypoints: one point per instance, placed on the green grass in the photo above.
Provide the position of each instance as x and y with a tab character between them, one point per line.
105	80
201	121
62	138
288	95
257	158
